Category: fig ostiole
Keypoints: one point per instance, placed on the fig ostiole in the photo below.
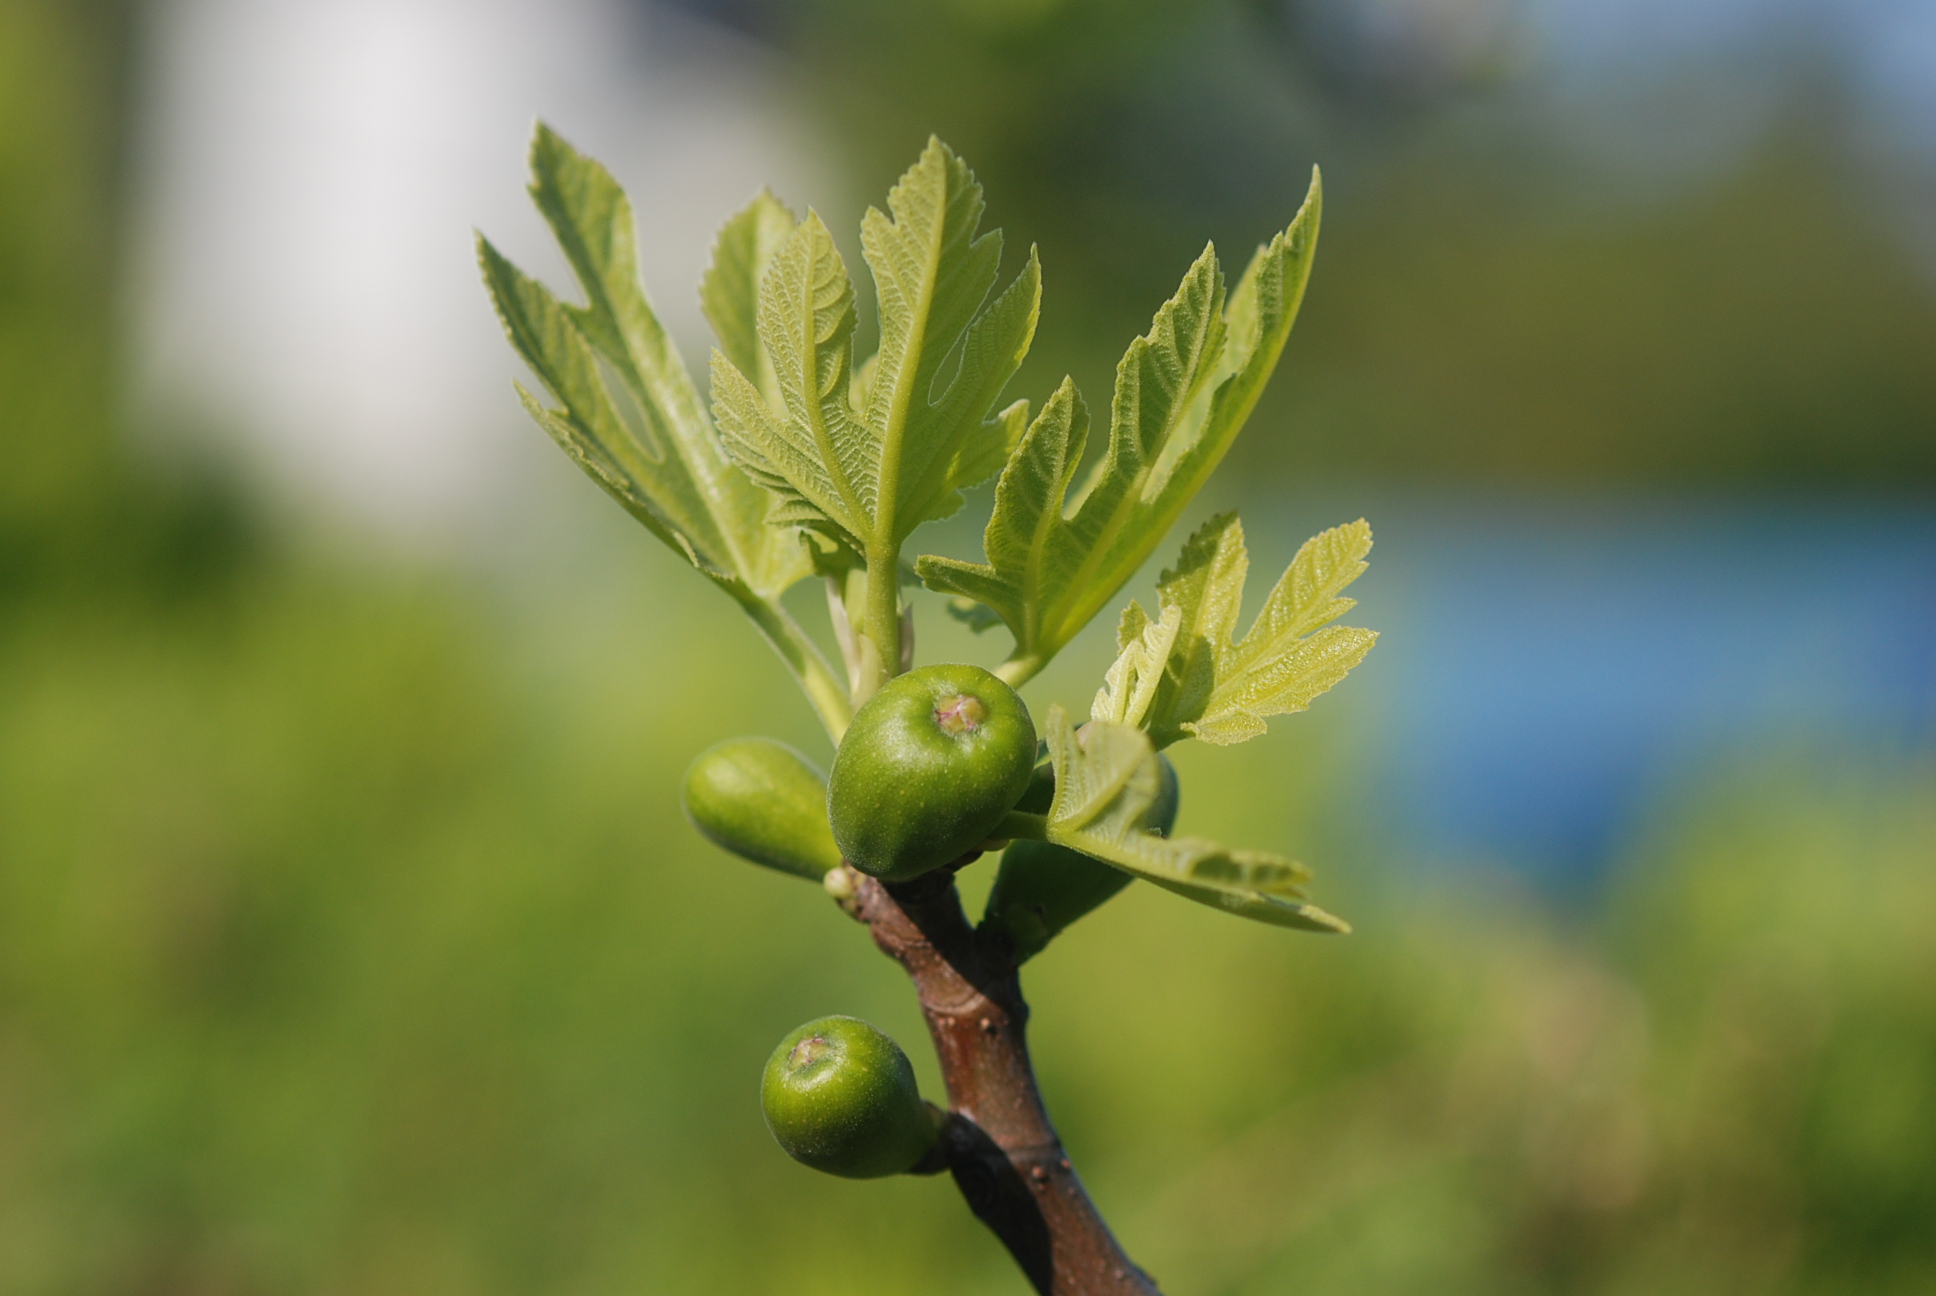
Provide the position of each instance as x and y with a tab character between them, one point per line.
765	802
927	770
840	1096
1042	888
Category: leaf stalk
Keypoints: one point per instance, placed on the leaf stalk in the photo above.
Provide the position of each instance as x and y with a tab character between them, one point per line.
1017	671
810	668
1020	824
883	621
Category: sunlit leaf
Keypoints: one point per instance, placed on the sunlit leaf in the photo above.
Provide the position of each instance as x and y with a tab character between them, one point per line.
1183	391
1130	687
867	456
1106	780
812	455
1220	688
664	462
730	292
1276	911
627	411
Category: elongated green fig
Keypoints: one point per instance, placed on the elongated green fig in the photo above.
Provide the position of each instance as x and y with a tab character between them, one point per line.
763	801
1042	887
840	1096
929	766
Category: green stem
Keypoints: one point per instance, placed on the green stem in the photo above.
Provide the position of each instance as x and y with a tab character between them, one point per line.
1017	671
817	679
883	618
1020	824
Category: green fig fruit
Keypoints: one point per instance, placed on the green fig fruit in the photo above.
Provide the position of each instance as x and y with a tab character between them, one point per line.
929	766
840	1096
1042	888
765	802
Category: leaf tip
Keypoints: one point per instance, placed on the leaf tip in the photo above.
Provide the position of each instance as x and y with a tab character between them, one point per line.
547	145
1325	923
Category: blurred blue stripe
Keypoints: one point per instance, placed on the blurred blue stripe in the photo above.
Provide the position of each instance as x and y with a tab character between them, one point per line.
1547	665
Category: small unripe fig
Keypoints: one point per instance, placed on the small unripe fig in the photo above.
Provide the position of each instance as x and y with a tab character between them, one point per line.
763	801
929	766
1042	887
840	1096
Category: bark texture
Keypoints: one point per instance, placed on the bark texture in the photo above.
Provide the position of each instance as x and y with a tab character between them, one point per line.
1001	1149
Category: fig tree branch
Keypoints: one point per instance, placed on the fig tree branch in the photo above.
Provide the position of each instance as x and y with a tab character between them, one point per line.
1004	1154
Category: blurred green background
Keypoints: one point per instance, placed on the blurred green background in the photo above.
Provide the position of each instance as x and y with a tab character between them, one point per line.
351	939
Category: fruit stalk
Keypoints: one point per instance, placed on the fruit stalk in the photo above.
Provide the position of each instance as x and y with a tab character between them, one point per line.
1005	1156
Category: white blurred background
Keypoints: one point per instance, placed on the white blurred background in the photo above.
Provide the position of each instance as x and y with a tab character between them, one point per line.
309	175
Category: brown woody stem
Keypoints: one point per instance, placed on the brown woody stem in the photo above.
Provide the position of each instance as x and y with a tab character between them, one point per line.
1004	1154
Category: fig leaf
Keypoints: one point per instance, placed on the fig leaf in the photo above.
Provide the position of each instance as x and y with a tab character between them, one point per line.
869	473
1107	779
1183	392
730	292
1214	686
627	411
672	472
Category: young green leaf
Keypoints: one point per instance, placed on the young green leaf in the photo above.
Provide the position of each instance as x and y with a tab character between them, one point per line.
1219	688
1183	391
1106	780
671	472
870	475
1258	907
674	476
932	275
730	292
814	457
1131	684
